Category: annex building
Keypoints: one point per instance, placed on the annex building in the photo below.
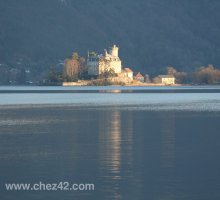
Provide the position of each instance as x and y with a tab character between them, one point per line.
167	79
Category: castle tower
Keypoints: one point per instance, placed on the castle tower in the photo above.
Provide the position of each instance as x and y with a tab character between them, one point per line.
114	51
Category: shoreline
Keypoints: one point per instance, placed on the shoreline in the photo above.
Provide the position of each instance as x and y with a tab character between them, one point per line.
138	84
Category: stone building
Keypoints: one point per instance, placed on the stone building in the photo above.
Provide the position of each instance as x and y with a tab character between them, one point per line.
126	73
139	77
167	79
97	64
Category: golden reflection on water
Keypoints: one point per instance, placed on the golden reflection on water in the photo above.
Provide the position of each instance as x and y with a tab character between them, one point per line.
110	145
128	135
110	91
110	149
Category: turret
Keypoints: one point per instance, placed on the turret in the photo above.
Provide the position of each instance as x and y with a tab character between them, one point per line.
114	51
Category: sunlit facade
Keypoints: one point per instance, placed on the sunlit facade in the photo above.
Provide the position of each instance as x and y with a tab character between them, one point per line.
98	64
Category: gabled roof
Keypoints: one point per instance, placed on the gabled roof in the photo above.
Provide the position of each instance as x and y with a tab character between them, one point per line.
139	75
127	69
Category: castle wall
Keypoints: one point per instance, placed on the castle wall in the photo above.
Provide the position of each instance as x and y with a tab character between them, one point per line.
116	66
93	68
101	64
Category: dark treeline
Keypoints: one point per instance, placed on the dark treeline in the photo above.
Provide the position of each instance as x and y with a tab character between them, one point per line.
12	76
73	69
202	75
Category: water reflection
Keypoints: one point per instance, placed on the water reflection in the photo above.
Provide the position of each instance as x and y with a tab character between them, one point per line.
110	91
127	136
110	150
168	141
128	154
168	148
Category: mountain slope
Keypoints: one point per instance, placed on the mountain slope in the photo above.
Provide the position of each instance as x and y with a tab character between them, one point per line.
152	34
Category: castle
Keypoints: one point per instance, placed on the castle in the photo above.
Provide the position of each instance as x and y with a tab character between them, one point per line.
97	64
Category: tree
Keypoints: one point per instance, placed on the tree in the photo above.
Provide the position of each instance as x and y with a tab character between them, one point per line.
108	73
21	77
93	54
147	78
75	56
74	68
156	80
71	70
54	77
181	77
83	71
4	75
207	75
171	71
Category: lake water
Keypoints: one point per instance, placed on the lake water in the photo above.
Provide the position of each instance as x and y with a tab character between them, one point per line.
132	143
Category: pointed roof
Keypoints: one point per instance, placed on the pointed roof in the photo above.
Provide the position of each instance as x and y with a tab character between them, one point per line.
139	75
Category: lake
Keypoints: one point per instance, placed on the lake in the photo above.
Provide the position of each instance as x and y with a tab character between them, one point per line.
132	143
